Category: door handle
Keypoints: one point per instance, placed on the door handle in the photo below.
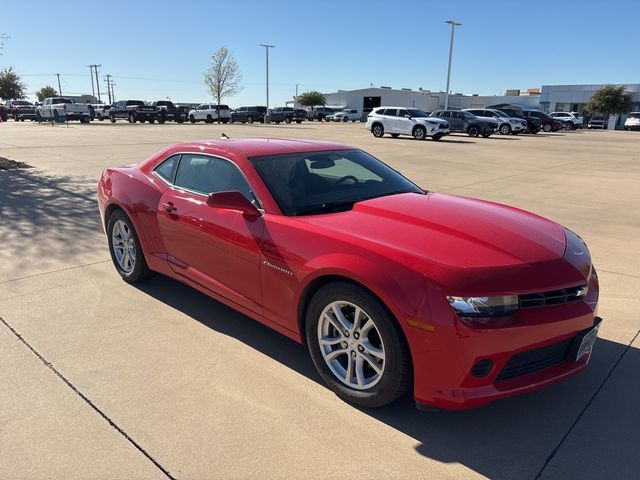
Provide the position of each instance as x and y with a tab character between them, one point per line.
168	207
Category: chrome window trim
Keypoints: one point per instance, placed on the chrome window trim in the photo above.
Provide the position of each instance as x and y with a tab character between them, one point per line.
200	194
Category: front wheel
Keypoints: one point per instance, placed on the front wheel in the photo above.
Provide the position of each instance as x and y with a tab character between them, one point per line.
287	119
505	129
125	249
473	131
357	346
249	119
419	133
132	118
546	128
192	119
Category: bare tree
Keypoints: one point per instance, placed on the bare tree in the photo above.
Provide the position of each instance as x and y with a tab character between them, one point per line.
223	77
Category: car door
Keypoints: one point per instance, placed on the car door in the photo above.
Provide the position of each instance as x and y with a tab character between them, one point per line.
389	122
458	121
217	248
404	122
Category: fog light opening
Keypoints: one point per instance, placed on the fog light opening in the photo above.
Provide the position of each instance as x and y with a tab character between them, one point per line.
482	368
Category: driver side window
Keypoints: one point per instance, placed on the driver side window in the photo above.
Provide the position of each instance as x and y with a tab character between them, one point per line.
204	175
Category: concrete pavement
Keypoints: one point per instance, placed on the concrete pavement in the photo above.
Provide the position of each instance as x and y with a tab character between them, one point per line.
195	390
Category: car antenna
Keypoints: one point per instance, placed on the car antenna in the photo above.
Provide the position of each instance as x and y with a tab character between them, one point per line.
224	136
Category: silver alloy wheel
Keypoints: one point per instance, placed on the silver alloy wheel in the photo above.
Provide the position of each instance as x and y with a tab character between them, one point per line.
377	131
124	247
419	133
505	129
351	345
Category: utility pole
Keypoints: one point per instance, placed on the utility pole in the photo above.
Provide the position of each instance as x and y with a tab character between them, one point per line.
93	92
59	87
113	93
266	49
95	67
109	88
453	29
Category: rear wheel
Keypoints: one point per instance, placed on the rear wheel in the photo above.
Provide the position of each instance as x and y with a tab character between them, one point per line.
209	119
132	118
112	117
125	249
357	346
377	130
287	119
249	119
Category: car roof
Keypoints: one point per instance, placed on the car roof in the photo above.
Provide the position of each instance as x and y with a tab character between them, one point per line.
251	147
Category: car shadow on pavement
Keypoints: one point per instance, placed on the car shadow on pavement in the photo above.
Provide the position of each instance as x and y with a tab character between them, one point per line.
46	218
507	439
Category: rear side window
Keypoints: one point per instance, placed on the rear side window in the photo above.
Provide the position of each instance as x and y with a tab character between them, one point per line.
391	112
166	170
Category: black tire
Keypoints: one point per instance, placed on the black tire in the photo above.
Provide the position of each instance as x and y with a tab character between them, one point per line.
132	117
225	120
486	135
192	119
209	119
395	135
377	130
298	121
346	119
437	137
141	270
249	119
419	132
546	128
505	129
473	131
162	118
112	117
287	119
569	126
397	375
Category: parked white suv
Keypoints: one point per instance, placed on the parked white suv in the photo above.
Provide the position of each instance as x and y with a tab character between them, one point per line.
633	121
507	124
346	115
406	121
570	120
208	113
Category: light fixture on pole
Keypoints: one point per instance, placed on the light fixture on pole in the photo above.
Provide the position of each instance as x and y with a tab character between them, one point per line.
266	49
446	94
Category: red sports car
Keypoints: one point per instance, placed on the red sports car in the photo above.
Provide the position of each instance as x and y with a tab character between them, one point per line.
392	287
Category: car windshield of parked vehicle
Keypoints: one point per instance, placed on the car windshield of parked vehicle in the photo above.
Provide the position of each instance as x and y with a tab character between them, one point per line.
634	115
60	100
332	181
417	113
135	103
469	116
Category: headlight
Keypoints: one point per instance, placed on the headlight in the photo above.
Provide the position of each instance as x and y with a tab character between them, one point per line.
483	306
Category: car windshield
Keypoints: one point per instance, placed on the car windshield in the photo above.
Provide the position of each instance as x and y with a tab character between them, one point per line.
634	115
417	113
514	113
469	116
135	103
329	181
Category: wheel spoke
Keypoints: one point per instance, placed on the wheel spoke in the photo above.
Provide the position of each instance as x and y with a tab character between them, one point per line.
374	351
371	361
329	341
359	371
340	317
356	318
349	372
335	353
335	323
368	325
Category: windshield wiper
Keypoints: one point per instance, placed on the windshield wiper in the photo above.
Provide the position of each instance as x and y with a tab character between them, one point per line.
337	206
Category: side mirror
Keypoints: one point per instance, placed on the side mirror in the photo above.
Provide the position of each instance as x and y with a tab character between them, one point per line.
233	200
407	116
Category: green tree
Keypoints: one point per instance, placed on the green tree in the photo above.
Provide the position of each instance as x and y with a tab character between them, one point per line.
311	99
611	100
46	91
223	77
11	86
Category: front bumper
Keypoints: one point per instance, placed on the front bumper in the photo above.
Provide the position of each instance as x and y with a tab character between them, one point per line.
445	365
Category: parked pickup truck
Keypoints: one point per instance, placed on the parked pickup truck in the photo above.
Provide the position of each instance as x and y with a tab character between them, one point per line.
168	111
20	110
133	110
282	114
61	109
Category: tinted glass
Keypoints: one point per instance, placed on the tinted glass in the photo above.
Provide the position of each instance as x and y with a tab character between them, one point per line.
205	175
402	112
634	115
324	182
392	112
165	169
417	113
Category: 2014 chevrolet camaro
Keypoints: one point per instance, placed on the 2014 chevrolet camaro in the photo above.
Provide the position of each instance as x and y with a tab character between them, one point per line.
392	288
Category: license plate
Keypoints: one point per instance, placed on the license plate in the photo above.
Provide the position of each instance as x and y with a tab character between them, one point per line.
588	340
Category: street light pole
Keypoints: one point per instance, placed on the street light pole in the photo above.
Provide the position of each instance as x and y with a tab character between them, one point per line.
446	94
266	49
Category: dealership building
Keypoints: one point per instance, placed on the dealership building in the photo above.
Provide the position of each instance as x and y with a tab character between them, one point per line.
549	98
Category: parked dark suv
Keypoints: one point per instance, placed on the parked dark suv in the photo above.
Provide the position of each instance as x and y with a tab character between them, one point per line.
548	123
249	114
281	114
467	123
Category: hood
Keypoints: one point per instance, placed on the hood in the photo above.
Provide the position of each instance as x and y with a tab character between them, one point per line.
431	120
449	230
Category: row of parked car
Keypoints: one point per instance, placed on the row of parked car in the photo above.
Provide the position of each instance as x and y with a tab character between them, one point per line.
503	119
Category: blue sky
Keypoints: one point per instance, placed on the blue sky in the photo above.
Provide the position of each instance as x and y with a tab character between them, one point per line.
159	49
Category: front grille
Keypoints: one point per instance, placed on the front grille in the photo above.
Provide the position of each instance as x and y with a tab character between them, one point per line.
553	297
535	360
444	126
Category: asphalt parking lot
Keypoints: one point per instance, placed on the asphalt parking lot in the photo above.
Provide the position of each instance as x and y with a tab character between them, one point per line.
100	379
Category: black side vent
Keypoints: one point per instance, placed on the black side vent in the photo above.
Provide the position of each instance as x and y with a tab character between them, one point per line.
533	361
